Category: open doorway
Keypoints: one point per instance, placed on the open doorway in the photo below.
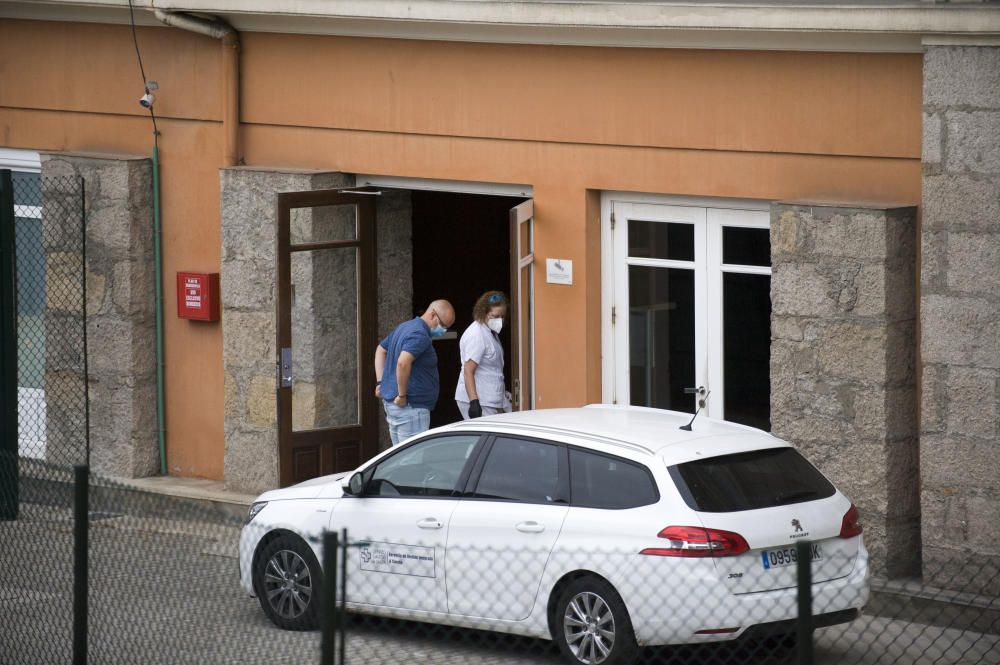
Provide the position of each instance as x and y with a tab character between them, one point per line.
387	251
461	248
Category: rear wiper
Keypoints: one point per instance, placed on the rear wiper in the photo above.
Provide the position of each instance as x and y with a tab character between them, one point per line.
792	497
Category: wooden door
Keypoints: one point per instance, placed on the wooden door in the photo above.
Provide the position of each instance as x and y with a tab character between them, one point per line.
326	315
522	314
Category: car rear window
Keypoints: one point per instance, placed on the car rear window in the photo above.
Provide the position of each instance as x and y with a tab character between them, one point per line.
748	481
603	481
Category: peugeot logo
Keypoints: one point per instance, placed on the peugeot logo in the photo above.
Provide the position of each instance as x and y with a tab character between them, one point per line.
797	525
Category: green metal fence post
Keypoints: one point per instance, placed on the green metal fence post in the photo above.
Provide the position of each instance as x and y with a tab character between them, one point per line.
804	624
8	353
81	546
342	613
328	596
83	312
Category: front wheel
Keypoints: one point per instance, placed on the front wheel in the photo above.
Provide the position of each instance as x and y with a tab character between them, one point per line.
287	581
592	626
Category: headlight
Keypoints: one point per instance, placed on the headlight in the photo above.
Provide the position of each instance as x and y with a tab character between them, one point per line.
254	509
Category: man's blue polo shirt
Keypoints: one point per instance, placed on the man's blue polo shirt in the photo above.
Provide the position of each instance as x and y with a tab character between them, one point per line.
414	337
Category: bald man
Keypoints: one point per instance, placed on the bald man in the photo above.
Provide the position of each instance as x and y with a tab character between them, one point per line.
409	390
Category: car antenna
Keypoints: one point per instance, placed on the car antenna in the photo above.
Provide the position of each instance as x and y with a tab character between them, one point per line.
703	397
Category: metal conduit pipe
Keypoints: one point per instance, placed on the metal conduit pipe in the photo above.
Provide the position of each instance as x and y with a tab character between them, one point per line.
231	127
218	29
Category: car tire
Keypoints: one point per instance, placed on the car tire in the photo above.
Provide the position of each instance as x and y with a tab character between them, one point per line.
287	580
591	626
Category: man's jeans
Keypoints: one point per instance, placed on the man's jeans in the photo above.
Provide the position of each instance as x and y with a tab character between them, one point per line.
405	421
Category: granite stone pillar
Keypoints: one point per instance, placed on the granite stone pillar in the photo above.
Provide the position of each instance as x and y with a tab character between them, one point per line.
120	307
843	379
960	318
394	216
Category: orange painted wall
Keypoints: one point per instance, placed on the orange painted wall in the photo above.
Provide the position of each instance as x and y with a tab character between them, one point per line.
82	96
570	121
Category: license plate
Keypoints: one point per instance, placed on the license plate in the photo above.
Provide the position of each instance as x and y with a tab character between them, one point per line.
786	556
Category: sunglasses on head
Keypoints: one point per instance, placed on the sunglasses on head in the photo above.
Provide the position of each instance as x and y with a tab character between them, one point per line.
495	298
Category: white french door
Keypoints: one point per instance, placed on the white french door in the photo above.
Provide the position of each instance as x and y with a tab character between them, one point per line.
687	293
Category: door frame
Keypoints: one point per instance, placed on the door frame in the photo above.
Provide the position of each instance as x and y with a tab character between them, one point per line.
366	431
522	355
512	190
704	288
522	306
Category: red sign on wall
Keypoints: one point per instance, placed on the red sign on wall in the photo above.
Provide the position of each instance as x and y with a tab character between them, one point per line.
198	296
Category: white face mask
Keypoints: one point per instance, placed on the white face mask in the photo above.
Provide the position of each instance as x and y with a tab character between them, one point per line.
496	325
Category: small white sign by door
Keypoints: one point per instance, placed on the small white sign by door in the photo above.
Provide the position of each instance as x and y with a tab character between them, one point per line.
558	271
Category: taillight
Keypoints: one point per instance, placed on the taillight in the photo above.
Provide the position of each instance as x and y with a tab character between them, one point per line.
850	527
694	541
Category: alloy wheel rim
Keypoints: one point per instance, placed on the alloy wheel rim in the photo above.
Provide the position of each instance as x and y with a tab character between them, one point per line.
288	584
589	628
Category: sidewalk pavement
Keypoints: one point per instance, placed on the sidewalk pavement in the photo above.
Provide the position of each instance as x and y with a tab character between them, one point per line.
212	492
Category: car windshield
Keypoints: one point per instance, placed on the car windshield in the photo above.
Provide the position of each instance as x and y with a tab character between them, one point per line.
749	481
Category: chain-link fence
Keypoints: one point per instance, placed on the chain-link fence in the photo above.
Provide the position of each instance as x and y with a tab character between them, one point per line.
45	312
158	585
170	580
601	605
95	570
50	253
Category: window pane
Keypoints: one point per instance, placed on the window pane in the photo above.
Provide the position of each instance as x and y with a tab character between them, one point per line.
748	481
27	189
746	247
661	337
660	240
428	468
746	334
325	315
323	223
520	470
602	481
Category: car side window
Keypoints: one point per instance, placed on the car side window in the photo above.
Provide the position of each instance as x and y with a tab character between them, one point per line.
426	469
521	470
604	481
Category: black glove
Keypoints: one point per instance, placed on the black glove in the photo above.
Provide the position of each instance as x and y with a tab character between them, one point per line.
474	409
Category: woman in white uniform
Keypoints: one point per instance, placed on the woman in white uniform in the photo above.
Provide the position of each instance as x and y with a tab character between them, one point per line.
480	390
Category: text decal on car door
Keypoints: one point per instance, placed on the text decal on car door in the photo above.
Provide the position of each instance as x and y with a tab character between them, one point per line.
398	559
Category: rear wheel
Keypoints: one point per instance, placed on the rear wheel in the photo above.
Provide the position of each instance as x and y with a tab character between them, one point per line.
591	625
287	581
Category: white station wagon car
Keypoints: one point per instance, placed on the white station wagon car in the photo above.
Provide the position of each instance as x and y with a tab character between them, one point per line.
603	528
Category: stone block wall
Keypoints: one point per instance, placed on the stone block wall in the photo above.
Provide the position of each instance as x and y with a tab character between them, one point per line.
394	219
120	308
843	355
960	317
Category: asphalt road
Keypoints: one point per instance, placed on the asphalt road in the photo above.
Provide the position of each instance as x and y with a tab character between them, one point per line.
165	590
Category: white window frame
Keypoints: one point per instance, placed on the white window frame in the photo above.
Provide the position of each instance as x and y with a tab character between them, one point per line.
717	219
22	160
709	215
31	403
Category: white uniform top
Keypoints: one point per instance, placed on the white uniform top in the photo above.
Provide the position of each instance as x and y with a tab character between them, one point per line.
481	346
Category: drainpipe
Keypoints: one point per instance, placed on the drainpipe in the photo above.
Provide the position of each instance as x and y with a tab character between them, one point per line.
218	29
230	40
161	431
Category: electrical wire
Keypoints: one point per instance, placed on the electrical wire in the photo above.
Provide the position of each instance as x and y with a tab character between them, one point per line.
142	71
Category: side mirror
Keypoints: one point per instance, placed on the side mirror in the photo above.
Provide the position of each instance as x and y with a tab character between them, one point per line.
354	485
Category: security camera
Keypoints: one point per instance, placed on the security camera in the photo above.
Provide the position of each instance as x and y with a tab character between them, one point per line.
146	101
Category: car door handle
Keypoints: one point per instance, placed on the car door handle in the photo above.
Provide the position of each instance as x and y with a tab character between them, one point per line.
429	523
530	527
